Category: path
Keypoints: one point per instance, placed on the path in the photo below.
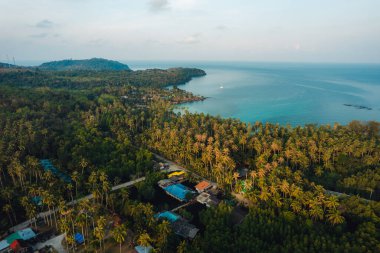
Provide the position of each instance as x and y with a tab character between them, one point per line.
175	167
90	196
56	242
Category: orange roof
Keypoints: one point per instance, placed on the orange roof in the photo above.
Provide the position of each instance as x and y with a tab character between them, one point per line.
202	185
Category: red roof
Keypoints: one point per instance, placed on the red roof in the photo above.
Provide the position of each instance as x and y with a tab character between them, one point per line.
202	185
15	245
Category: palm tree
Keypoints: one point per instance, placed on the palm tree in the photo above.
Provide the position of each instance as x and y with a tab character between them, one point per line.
7	208
164	231
334	217
81	221
236	176
99	232
75	178
284	187
83	164
119	233
144	240
181	247
316	212
296	206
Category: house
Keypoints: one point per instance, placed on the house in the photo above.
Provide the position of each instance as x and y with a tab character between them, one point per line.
203	186
165	182
48	166
176	174
143	249
180	226
21	235
243	172
207	199
4	246
184	229
178	191
170	216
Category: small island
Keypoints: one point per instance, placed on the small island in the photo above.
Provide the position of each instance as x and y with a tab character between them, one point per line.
360	107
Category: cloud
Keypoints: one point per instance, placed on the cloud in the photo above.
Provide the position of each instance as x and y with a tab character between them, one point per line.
39	35
45	24
221	27
297	46
96	42
192	39
158	5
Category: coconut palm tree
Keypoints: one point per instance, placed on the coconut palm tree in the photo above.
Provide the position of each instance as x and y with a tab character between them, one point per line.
181	247
334	217
75	178
7	208
163	231
119	233
144	240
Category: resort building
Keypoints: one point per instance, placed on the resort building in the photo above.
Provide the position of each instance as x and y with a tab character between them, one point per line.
48	166
15	240
180	226
203	186
178	191
207	199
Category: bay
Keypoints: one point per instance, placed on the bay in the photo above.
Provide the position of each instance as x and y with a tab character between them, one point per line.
284	93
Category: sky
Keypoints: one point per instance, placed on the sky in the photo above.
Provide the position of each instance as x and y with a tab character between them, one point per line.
198	30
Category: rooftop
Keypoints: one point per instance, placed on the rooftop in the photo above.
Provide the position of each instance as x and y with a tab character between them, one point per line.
170	216
24	234
202	186
178	191
185	229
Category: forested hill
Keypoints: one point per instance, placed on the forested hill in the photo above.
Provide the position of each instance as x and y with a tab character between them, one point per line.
7	65
88	64
83	79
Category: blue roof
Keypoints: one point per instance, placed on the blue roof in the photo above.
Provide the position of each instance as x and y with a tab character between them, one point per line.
48	166
172	217
79	238
4	244
26	234
178	190
142	249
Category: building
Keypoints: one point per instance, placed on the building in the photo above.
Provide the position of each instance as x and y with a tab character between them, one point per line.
207	199
165	182
176	174
48	166
184	229
21	235
143	249
178	191
203	186
180	226
170	216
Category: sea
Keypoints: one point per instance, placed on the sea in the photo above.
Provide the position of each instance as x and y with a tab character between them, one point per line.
284	93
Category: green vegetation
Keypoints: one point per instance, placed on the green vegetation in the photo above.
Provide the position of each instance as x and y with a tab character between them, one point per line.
101	127
96	64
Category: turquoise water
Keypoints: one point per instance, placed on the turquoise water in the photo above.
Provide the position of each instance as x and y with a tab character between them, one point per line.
284	93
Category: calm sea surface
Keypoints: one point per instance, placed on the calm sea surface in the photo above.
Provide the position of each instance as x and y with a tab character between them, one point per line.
284	93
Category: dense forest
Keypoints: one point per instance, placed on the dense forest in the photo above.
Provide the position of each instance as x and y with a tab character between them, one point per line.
307	189
90	64
86	79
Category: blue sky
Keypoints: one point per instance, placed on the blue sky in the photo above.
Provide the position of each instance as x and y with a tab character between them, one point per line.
239	30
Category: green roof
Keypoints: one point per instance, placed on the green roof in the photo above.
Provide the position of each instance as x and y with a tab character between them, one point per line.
24	234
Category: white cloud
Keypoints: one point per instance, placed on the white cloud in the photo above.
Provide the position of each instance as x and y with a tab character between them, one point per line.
297	46
45	24
158	5
192	39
